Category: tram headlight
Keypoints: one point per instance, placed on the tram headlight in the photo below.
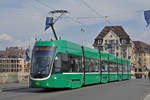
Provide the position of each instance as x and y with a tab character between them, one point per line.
37	83
55	78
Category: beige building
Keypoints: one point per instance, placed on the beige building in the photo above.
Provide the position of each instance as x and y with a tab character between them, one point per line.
114	40
14	65
142	51
12	60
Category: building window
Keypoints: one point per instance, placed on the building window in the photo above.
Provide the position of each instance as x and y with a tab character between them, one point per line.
140	70
144	54
124	41
135	69
139	54
116	41
99	41
111	41
106	41
117	47
117	54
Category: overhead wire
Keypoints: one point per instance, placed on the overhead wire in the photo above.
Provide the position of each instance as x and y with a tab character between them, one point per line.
77	19
94	11
88	6
72	18
44	4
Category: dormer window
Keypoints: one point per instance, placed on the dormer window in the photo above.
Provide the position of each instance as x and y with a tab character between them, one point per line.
106	41
124	41
99	41
116	41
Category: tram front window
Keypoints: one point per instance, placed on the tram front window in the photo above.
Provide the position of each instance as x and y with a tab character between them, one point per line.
41	61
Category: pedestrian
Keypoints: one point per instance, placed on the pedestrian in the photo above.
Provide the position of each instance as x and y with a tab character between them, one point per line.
149	75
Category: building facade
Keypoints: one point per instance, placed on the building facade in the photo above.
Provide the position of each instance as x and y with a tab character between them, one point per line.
14	65
114	40
12	60
142	51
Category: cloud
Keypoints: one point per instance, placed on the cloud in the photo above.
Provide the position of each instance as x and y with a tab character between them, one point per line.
5	37
7	41
23	21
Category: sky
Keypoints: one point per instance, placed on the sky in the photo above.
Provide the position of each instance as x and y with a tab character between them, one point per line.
23	21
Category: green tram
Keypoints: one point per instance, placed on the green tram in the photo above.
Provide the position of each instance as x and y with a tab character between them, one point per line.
63	64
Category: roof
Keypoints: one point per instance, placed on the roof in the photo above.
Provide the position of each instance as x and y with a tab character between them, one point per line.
2	53
12	52
118	30
73	48
141	46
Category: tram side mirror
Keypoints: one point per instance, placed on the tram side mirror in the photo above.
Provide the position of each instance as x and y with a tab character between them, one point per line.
56	58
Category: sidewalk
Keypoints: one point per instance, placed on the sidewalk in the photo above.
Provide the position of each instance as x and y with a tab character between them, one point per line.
12	86
147	97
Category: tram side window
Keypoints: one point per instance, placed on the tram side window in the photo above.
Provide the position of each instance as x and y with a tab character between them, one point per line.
128	68
111	67
87	65
61	63
115	67
124	68
96	65
91	65
57	64
104	66
119	68
75	63
65	62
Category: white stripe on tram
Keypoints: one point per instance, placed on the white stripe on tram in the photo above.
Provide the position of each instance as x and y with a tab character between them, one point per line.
72	73
82	73
104	72
92	73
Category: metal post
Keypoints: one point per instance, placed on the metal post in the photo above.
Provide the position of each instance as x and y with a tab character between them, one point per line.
83	64
82	30
127	69
108	69
122	68
117	67
100	67
83	60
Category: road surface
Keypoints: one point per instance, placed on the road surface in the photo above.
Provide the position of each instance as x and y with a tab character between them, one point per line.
136	89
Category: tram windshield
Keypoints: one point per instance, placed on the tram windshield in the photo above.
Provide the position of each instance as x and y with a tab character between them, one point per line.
41	61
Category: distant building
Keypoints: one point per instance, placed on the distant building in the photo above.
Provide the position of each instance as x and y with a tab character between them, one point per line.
114	40
12	60
142	51
12	52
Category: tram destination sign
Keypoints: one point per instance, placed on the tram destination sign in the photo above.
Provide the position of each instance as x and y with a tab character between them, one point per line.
42	48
